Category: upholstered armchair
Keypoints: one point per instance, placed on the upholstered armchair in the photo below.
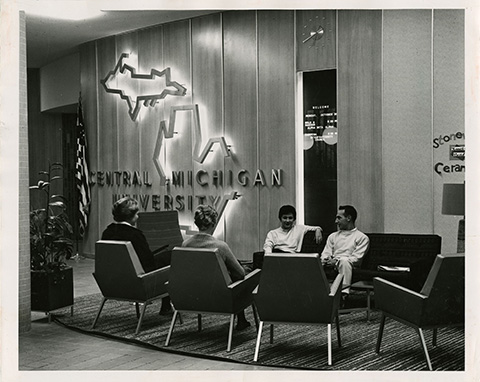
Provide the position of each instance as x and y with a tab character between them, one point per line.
199	282
293	289
121	277
440	303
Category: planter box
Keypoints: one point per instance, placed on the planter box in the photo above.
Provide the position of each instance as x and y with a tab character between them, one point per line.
51	290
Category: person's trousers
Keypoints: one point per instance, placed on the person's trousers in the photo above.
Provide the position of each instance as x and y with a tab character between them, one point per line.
345	268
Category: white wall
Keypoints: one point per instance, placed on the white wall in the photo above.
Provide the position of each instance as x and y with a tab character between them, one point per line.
423	100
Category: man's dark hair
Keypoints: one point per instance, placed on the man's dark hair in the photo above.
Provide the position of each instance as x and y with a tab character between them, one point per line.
349	211
287	209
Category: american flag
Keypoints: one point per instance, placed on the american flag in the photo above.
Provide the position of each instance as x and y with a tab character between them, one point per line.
81	173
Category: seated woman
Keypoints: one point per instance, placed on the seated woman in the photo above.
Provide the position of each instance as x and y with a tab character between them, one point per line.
125	214
206	220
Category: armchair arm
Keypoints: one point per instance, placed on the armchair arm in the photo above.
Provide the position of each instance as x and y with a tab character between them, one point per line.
155	282
398	301
249	283
155	272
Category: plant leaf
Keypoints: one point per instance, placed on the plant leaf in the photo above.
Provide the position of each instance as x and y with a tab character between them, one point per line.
58	196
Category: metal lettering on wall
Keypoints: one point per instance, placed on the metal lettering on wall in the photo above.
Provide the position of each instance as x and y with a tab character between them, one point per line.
456	152
124	81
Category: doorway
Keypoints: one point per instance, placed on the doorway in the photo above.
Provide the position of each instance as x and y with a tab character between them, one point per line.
320	148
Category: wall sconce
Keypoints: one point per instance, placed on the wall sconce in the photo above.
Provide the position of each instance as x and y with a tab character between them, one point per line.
453	203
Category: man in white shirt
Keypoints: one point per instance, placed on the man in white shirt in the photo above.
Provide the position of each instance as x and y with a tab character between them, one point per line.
345	248
289	236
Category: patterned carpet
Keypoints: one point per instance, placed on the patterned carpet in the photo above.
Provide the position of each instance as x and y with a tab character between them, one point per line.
298	347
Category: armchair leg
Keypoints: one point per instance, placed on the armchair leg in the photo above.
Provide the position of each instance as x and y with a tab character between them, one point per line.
142	314
434	337
255	315
257	345
424	346
380	333
172	324
329	340
98	313
271	333
337	324
137	310
230	332
199	319
368	304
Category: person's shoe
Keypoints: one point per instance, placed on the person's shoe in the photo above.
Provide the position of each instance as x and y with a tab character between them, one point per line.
343	301
242	325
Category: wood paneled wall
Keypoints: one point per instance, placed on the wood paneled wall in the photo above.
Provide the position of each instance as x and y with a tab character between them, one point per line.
241	116
276	105
240	67
316	54
231	63
359	152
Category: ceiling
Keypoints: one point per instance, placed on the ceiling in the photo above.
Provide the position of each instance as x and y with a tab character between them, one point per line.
49	39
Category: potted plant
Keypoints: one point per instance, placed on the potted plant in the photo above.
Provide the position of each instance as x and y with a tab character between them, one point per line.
50	245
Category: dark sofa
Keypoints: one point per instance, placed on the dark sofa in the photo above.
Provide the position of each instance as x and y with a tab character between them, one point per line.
414	251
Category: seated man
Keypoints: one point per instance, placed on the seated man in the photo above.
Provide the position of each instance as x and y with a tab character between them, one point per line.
205	219
289	236
125	214
345	248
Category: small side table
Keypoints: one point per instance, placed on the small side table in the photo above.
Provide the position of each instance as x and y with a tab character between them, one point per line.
366	286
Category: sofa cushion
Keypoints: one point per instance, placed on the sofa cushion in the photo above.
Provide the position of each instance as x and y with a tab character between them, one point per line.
393	249
415	251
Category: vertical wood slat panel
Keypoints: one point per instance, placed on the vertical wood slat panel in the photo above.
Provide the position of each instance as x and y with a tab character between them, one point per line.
128	130
150	56
448	109
207	89
88	86
240	127
179	148
319	54
107	149
407	122
359	154
276	107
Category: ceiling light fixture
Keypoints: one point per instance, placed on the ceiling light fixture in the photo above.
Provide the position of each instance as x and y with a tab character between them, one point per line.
73	10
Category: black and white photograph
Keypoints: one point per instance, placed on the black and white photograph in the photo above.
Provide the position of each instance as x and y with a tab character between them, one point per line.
239	191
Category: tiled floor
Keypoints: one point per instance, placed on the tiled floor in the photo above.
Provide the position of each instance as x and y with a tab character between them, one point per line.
49	346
